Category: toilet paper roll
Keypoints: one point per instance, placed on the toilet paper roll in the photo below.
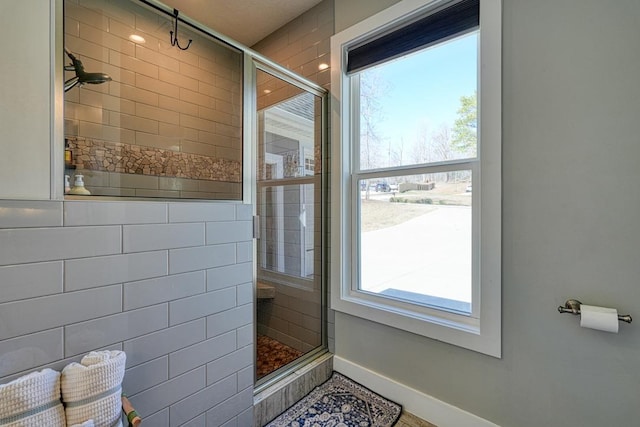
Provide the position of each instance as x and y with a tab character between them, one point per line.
600	318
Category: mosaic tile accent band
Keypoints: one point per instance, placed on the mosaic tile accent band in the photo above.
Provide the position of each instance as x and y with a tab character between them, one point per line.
97	155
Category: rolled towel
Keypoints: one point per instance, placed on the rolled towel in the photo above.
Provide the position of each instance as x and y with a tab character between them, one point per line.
32	401
91	389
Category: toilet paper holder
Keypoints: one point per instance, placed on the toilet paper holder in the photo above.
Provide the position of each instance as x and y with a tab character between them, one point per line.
573	306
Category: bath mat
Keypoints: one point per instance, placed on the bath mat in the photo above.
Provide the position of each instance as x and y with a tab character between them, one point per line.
340	402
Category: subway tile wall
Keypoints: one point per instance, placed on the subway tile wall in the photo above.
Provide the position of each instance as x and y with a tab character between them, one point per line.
161	98
302	45
167	282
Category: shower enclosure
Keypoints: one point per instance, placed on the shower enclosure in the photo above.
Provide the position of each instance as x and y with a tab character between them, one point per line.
216	121
289	203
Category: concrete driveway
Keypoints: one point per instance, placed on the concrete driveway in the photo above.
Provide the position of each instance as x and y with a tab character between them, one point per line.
428	255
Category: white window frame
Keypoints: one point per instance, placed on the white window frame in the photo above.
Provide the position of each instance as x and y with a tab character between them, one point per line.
480	331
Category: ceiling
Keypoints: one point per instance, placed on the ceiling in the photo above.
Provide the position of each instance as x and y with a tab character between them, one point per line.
247	21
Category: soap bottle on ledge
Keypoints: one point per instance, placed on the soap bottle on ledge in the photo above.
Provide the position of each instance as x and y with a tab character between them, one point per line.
79	188
68	155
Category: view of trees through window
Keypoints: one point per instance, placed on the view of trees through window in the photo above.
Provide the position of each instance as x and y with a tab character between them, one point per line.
418	125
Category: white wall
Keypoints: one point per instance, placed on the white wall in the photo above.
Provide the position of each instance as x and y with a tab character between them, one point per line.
25	99
570	229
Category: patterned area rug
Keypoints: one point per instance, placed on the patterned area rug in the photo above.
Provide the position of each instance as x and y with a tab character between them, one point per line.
340	402
272	354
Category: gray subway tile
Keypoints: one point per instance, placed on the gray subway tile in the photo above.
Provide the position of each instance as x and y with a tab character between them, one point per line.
57	365
228	409
37	314
229	364
163	289
30	280
233	422
29	351
245	418
201	353
159	419
229	232
26	245
99	271
201	212
86	336
244	293
229	320
230	275
146	375
244	212
244	251
151	346
245	377
169	392
200	258
199	421
139	238
198	306
202	401
18	214
109	212
245	335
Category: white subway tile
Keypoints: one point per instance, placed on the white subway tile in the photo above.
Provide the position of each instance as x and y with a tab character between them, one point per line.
200	258
201	401
107	213
201	353
17	214
86	336
38	314
229	364
18	246
244	212
229	320
230	275
191	308
153	291
148	347
169	392
99	271
138	238
146	375
30	280
229	232
30	351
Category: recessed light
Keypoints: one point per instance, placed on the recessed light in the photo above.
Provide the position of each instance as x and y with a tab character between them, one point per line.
323	66
267	91
136	38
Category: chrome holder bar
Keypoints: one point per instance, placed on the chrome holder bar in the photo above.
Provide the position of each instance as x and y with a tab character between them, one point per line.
573	306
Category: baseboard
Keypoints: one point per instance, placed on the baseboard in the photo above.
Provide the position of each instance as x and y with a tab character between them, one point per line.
418	403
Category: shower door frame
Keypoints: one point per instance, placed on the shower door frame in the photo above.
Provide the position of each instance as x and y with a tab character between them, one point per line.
251	68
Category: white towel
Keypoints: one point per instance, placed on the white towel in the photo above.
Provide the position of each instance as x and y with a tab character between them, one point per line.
88	423
92	389
32	401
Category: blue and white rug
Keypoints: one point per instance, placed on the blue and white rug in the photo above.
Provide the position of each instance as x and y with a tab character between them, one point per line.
340	402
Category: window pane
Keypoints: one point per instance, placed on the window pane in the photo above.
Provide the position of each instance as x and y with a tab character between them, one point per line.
144	134
287	236
420	108
416	240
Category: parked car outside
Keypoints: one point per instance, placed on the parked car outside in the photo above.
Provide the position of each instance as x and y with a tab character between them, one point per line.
383	186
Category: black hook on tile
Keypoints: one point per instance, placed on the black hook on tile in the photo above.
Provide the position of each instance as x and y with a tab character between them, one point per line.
174	38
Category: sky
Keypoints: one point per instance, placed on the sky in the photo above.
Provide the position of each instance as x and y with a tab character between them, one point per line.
425	88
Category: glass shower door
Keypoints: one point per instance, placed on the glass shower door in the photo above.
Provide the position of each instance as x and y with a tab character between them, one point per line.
290	290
